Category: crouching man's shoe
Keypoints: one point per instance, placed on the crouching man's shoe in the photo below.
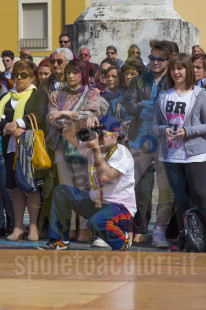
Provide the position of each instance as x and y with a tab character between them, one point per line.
55	245
127	244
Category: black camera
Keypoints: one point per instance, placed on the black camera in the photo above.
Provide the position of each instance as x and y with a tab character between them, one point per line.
88	134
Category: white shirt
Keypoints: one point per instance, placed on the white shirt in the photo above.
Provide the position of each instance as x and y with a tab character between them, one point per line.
121	189
177	107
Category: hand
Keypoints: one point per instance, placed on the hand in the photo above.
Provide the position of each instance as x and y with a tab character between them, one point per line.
10	128
170	134
54	115
92	122
180	134
93	144
140	103
18	132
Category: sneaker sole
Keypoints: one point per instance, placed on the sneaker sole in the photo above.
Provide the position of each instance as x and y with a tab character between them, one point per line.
160	246
44	248
99	246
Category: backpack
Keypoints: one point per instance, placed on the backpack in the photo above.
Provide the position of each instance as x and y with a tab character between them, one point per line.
24	172
195	231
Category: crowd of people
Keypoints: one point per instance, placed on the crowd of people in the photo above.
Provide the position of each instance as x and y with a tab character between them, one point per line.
109	128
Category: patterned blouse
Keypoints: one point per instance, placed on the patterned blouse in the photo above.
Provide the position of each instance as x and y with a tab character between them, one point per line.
66	100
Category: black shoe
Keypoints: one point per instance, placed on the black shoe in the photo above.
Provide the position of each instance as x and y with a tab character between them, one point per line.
55	245
180	244
2	232
9	230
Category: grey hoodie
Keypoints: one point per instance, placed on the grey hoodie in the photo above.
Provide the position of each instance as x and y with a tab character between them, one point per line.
194	125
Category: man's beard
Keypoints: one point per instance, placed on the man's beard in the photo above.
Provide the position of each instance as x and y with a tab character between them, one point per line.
106	149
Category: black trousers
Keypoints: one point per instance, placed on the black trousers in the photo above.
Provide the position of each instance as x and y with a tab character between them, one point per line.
188	183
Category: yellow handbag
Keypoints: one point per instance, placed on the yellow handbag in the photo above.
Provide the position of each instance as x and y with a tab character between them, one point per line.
40	159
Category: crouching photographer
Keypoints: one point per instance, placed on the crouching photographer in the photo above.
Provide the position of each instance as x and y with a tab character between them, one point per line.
110	205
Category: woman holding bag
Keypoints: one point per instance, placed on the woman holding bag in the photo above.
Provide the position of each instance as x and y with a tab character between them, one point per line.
21	100
180	122
73	103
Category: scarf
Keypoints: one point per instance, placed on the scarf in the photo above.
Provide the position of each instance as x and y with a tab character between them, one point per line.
81	89
22	99
52	83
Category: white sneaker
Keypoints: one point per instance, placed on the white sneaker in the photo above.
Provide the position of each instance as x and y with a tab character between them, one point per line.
99	243
159	239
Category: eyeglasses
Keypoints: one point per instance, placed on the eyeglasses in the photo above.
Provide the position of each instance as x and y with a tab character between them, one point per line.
65	42
158	59
82	54
59	61
112	53
6	60
105	134
102	71
23	75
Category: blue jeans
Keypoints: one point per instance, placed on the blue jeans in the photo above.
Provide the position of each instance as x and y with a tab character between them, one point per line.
108	222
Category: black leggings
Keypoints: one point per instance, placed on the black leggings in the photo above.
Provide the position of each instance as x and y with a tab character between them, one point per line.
188	182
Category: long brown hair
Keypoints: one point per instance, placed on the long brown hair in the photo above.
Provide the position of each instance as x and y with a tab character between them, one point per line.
184	61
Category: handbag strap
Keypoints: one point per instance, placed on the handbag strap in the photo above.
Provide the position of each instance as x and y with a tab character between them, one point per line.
35	121
31	122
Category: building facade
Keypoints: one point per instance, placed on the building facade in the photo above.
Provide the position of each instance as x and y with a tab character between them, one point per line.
36	24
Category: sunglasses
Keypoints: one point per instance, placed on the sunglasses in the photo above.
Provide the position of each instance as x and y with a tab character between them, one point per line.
112	53
102	71
83	54
23	75
65	42
105	134
158	59
59	61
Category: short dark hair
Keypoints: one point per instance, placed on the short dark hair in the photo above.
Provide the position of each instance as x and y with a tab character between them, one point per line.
164	46
183	60
7	53
110	61
78	65
119	72
111	47
65	35
202	57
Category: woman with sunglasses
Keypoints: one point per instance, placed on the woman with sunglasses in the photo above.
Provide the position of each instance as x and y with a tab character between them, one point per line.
14	106
74	102
180	122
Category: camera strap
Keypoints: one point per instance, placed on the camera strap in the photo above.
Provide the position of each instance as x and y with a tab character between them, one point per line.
99	187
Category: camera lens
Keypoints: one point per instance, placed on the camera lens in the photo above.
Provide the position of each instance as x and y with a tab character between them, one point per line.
85	134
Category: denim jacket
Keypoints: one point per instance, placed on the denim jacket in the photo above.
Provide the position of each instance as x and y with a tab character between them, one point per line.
140	89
